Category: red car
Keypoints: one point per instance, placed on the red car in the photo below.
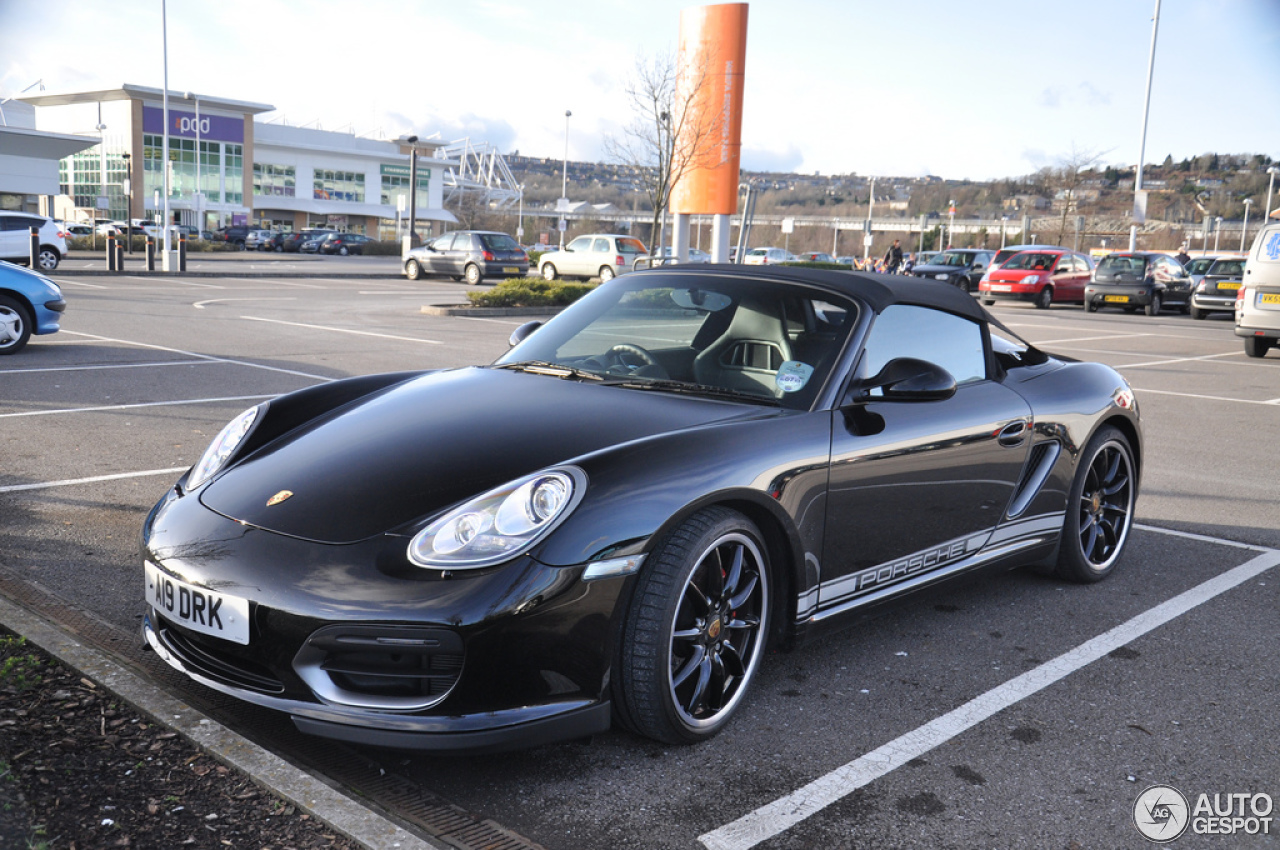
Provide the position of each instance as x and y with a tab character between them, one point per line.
1042	276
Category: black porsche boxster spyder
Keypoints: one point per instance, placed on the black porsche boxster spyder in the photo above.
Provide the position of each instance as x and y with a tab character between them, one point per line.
613	521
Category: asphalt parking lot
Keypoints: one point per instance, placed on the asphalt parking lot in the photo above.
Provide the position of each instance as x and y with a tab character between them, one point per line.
1017	711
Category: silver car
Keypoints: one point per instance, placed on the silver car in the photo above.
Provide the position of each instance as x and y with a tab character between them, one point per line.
1258	299
602	255
15	239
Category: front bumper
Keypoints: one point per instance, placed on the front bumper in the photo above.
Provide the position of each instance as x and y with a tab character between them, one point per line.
354	643
1015	292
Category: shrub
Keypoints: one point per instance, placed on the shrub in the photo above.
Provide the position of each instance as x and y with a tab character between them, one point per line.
385	248
530	292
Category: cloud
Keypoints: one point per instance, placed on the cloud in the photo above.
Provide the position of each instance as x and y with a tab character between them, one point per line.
1094	96
1050	98
761	159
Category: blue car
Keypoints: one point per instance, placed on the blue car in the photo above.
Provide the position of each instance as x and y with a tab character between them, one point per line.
30	303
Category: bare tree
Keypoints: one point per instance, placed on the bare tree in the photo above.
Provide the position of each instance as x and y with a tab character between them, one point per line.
1067	178
668	136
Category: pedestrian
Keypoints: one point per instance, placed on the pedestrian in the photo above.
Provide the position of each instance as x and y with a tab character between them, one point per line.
1182	256
909	264
893	257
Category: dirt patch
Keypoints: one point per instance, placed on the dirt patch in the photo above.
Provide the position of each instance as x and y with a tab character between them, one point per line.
81	769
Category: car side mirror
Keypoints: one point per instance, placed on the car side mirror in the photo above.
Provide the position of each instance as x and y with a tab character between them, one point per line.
906	379
522	333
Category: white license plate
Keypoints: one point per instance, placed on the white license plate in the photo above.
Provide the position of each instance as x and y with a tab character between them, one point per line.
197	608
1001	287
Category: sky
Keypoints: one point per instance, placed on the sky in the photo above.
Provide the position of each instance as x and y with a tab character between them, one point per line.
975	89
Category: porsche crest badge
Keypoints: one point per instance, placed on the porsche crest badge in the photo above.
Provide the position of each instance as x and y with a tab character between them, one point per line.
282	496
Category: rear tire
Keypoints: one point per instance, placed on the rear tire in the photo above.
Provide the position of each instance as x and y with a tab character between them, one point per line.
1153	306
1256	346
15	325
472	274
1197	313
606	274
988	301
549	272
695	629
1099	508
47	259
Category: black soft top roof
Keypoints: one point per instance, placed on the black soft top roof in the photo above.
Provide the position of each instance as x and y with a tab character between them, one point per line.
876	290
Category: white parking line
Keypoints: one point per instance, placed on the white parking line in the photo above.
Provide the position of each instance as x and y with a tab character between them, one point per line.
780	815
200	356
342	330
199	305
1171	361
152	365
68	482
106	407
1273	401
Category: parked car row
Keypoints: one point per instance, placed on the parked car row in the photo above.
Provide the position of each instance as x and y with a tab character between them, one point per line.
470	255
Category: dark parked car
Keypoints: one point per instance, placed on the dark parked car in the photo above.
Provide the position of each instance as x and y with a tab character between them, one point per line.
620	517
468	254
277	242
1042	276
1138	280
235	235
960	267
30	303
1217	290
344	243
294	241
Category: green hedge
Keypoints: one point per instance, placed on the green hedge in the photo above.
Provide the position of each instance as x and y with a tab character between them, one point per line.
530	292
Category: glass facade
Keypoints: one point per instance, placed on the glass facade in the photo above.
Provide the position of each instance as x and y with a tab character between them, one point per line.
338	186
80	176
274	180
395	182
221	169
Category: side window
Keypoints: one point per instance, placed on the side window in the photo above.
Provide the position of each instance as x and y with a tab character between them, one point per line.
443	242
903	330
582	243
601	246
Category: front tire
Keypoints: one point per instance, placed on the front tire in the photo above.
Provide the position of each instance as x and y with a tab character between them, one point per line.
413	269
695	629
472	274
1090	306
548	271
1044	299
15	325
1099	508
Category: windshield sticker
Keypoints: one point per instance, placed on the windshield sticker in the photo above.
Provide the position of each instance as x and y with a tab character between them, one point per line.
793	375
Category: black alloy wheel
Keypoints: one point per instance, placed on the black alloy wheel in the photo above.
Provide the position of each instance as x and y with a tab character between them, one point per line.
695	630
1099	508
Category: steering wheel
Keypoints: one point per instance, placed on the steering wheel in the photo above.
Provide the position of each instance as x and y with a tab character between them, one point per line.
624	352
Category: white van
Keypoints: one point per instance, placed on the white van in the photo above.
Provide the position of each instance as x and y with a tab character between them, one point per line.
1258	302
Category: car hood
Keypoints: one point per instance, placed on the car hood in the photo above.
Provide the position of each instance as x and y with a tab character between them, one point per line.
419	447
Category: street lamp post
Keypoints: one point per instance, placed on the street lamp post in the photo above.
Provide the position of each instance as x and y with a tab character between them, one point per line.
1217	231
951	226
564	178
1271	185
199	217
413	189
520	218
1244	230
1004	220
128	202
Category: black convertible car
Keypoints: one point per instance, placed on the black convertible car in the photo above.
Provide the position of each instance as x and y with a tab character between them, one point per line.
613	521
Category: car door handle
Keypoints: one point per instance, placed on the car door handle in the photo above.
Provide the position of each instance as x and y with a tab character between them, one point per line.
1014	433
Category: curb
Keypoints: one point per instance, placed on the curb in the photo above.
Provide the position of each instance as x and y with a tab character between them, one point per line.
455	310
307	792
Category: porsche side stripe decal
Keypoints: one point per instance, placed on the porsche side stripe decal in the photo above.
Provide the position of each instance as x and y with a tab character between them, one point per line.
953	556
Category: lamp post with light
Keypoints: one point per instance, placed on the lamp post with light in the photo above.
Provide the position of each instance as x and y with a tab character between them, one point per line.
564	179
1271	185
1244	230
128	202
951	227
1217	232
412	141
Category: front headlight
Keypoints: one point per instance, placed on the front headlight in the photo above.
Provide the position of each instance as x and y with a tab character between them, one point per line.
500	524
222	447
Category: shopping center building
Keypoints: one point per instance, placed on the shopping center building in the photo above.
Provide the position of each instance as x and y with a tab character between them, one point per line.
225	167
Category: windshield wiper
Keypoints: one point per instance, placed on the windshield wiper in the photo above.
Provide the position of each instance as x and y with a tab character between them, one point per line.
689	389
556	370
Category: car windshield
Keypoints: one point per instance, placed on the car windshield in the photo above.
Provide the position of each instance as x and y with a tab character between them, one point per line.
950	258
1031	260
631	246
1199	265
1234	268
499	242
760	342
1123	265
